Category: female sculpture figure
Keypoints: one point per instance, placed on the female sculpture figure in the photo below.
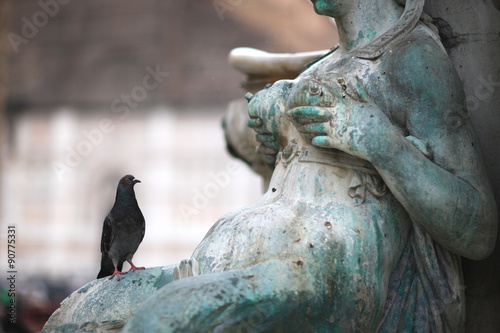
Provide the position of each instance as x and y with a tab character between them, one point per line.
378	189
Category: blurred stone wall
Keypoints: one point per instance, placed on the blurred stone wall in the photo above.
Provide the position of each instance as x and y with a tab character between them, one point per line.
89	52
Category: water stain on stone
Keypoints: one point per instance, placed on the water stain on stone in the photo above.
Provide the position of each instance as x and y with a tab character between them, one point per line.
234	281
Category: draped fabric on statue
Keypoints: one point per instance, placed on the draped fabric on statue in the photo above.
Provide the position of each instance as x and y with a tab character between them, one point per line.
426	292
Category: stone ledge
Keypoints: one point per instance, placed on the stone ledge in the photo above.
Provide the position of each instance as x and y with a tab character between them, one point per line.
105	305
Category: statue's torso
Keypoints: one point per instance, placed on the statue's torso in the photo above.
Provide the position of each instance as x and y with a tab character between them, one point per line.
325	211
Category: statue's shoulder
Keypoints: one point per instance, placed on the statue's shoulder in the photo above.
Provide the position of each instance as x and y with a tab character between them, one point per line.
419	55
422	84
415	79
419	63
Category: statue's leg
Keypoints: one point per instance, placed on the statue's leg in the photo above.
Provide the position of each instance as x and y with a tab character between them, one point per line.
330	276
273	295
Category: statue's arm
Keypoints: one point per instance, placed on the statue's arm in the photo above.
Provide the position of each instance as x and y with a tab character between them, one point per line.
430	160
280	295
255	299
447	192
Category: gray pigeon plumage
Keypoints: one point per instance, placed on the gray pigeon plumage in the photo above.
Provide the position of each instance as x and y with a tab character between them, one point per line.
122	231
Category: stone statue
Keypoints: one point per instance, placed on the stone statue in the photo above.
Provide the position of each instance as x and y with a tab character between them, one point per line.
378	188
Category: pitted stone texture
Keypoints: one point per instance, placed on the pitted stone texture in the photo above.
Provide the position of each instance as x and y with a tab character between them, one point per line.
105	305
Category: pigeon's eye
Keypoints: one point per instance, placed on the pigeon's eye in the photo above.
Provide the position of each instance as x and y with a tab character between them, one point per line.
126	180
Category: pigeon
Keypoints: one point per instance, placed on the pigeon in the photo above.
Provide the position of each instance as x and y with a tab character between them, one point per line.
122	231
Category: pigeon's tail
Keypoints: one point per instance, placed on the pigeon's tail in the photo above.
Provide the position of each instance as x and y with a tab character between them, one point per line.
107	267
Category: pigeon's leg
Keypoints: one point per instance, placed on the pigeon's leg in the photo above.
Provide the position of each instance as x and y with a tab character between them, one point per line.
117	273
132	266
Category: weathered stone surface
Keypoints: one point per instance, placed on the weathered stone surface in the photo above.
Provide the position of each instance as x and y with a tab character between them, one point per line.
470	32
378	188
105	305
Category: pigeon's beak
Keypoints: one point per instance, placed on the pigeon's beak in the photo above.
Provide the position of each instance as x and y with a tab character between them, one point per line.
135	181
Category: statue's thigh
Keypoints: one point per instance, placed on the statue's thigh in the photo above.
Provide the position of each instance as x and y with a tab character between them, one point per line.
354	259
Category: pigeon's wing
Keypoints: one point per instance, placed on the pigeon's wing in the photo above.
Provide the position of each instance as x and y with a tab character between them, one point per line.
140	222
107	234
143	231
107	267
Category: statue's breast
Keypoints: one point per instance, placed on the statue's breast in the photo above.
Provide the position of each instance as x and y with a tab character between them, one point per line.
310	219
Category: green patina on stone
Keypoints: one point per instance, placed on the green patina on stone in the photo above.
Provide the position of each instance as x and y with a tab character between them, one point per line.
376	192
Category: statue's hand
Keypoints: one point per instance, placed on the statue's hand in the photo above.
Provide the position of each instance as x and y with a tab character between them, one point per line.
265	110
350	125
313	122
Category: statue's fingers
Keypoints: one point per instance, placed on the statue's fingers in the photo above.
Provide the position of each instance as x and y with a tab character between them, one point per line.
314	128
267	150
324	142
261	130
265	138
360	91
273	144
309	114
254	122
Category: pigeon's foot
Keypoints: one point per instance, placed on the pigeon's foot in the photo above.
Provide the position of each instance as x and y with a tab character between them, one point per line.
117	273
133	268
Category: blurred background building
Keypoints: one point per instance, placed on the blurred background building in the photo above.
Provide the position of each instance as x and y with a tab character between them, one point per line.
98	89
